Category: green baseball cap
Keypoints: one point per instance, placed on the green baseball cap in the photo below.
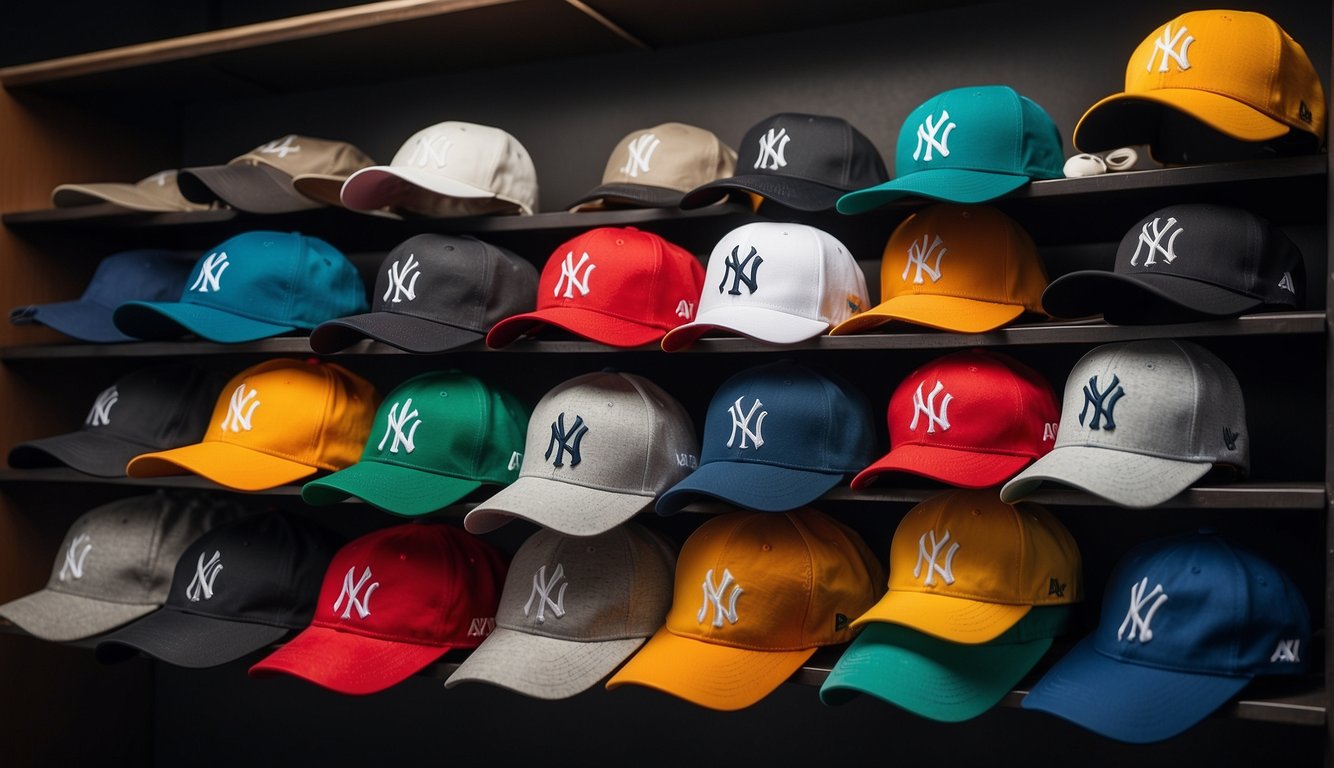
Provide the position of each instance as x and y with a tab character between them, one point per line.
968	145
437	437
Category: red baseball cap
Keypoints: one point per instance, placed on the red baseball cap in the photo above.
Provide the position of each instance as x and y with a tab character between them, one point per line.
614	285
971	419
393	601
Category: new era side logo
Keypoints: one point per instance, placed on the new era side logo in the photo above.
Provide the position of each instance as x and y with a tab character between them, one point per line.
1286	650
481	627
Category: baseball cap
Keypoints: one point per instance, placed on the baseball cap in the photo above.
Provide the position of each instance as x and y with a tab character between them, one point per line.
275	423
115	563
1187	621
156	194
655	167
776	282
437	437
972	419
1235	74
969	269
252	286
435	293
777	436
239	587
138	275
775	588
261	180
154	408
393	601
614	285
599	448
572	610
1188	262
801	161
1141	421
968	145
449	169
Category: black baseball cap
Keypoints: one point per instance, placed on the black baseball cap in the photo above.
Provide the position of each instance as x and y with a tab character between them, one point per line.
1188	262
238	588
435	293
801	161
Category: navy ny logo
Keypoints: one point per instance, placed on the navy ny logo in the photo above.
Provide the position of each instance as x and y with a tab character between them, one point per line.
1103	402
565	441
737	268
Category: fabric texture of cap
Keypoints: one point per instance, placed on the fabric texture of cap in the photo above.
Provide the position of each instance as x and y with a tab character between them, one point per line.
775	282
156	194
435	293
617	286
968	145
436	438
655	167
1188	262
261	180
155	408
116	562
1141	421
449	169
801	161
239	587
777	436
275	423
599	448
392	602
572	610
969	269
972	419
755	595
255	285
139	275
1187	622
1236	73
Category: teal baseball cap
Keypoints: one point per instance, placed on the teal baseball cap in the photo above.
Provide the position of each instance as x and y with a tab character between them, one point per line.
968	145
437	437
252	286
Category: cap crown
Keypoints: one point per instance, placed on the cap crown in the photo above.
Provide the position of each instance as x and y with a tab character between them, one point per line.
671	155
819	148
139	275
161	406
478	156
293	154
460	281
980	128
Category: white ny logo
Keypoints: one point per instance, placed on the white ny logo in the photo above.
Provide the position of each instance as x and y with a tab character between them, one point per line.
74	557
1171	46
918	253
350	590
932	567
772	146
1139	626
569	278
397	277
100	415
928	408
240	409
1286	651
1154	240
742	422
205	573
430	149
394	425
926	133
714	596
641	150
210	273
542	593
280	147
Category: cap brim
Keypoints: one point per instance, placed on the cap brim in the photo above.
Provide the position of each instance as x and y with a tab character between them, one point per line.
1128	702
951	185
124	195
226	464
382	185
627	195
800	194
757	323
954	619
1128	479
79	319
187	639
542	667
90	451
347	663
966	469
252	188
948	313
762	487
1126	119
393	488
932	678
714	676
323	188
1141	297
596	326
564	507
411	334
61	617
170	320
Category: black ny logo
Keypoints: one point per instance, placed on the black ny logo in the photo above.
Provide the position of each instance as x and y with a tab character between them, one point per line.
737	266
1103	403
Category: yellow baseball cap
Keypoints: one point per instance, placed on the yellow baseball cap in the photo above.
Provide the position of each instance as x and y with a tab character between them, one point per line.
965	567
756	593
275	423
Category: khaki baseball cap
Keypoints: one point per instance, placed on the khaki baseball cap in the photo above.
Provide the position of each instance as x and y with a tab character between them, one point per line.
655	167
157	193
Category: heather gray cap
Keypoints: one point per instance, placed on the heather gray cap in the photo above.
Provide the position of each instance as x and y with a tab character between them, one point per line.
1140	422
116	563
600	447
572	610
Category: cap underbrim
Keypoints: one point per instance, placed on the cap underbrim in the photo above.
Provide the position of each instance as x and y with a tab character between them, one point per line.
346	662
61	617
226	464
124	195
800	194
1128	479
170	320
1126	119
1128	702
393	488
759	323
252	188
323	188
1140	297
90	451
951	185
411	334
596	326
79	319
953	619
187	639
966	469
542	667
948	313
761	487
380	186
628	195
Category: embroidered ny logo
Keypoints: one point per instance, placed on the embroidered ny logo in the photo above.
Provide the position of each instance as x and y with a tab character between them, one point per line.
737	267
742	422
772	147
714	596
210	273
926	135
100	414
74	557
927	408
929	559
1154	241
433	150
569	276
205	574
1286	650
566	440
394	426
1171	46
542	593
280	147
918	253
1139	625
350	591
399	276
240	409
1103	402
640	151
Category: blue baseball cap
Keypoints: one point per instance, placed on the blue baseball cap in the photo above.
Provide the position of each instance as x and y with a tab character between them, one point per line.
1187	622
777	437
143	275
252	286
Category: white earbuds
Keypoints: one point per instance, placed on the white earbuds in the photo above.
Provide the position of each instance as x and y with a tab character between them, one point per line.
1085	164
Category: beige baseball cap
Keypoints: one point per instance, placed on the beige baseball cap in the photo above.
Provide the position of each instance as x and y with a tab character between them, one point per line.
655	167
157	193
263	179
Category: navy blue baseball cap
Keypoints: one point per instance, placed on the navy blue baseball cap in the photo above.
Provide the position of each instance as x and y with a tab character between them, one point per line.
777	437
1187	622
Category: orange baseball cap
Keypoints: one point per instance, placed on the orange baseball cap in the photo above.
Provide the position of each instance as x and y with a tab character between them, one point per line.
967	268
756	594
275	423
965	567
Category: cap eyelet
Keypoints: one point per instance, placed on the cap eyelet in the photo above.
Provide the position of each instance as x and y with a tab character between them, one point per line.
766	547
620	241
403	557
1195	569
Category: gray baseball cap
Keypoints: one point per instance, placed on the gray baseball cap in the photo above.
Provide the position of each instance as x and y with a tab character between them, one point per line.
572	610
1140	422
